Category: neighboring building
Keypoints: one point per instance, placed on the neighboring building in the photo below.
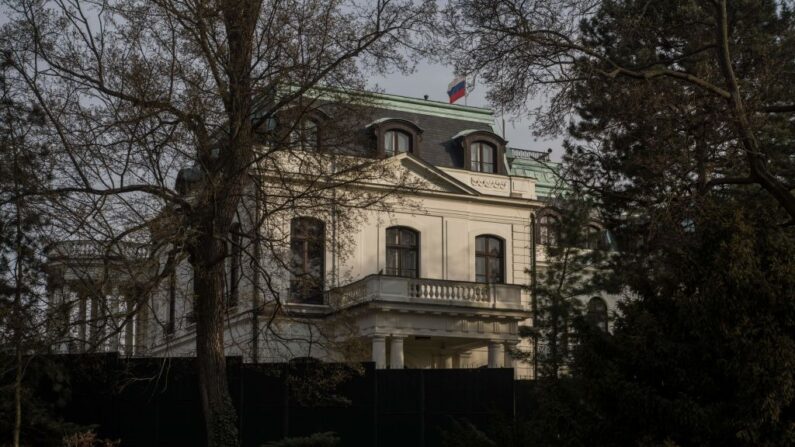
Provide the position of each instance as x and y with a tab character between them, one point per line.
442	281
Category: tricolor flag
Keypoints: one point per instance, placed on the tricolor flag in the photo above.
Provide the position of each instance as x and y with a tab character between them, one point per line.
457	89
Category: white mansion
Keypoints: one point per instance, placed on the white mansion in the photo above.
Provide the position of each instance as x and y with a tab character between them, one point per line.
441	282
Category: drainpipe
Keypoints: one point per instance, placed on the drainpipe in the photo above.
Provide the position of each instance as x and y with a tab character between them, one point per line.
533	295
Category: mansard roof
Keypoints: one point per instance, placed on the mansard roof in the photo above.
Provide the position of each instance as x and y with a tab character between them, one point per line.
439	147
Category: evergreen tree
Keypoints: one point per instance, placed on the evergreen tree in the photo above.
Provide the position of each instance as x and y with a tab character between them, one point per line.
569	263
682	110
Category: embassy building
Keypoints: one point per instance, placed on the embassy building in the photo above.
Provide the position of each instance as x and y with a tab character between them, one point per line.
441	278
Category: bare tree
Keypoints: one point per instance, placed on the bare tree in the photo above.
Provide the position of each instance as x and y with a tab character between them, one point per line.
136	91
23	170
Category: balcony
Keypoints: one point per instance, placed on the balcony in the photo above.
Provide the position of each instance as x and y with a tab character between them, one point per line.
527	154
444	293
93	250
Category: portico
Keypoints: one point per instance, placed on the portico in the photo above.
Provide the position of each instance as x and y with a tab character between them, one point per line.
425	323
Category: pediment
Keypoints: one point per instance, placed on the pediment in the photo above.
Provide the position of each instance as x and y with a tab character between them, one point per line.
426	176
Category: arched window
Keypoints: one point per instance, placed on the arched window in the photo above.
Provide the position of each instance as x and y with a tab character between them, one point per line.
548	230
489	259
483	157
402	252
395	136
597	313
235	264
305	135
396	142
307	246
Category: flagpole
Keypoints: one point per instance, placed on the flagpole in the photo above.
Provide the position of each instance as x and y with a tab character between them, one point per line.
467	92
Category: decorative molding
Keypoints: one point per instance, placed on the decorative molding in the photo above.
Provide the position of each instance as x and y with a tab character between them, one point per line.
489	182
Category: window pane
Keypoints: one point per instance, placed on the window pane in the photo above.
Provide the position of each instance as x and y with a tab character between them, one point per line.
495	247
307	247
392	235
488	153
310	134
475	156
488	167
392	261
409	260
480	245
402	142
495	269
597	313
389	142
408	238
480	268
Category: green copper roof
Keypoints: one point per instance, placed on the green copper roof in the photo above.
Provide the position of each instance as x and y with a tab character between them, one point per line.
409	104
436	108
535	165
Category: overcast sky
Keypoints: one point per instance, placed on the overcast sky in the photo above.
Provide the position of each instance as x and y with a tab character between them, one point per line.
432	80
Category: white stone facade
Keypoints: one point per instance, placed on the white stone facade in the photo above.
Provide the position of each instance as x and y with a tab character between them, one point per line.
441	318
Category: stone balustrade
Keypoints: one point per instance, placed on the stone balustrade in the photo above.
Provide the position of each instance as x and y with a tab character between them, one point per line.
428	291
87	249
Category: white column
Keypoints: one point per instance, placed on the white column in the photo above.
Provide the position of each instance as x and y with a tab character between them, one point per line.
379	352
464	360
396	352
495	354
447	361
508	358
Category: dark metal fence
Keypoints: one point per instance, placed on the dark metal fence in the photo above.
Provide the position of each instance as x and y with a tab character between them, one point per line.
155	402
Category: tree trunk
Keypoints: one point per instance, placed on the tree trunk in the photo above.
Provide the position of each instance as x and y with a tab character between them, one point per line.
18	398
221	199
219	413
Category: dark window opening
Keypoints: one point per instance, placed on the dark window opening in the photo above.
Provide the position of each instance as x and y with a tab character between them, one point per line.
593	237
402	252
307	246
548	230
489	259
305	136
597	313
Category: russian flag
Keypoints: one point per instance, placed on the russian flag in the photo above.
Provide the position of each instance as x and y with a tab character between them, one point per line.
457	89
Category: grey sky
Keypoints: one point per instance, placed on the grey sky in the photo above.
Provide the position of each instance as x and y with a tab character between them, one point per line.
432	79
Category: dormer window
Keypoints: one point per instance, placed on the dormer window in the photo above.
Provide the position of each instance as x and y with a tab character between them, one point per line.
396	142
300	128
483	151
396	136
483	157
305	136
